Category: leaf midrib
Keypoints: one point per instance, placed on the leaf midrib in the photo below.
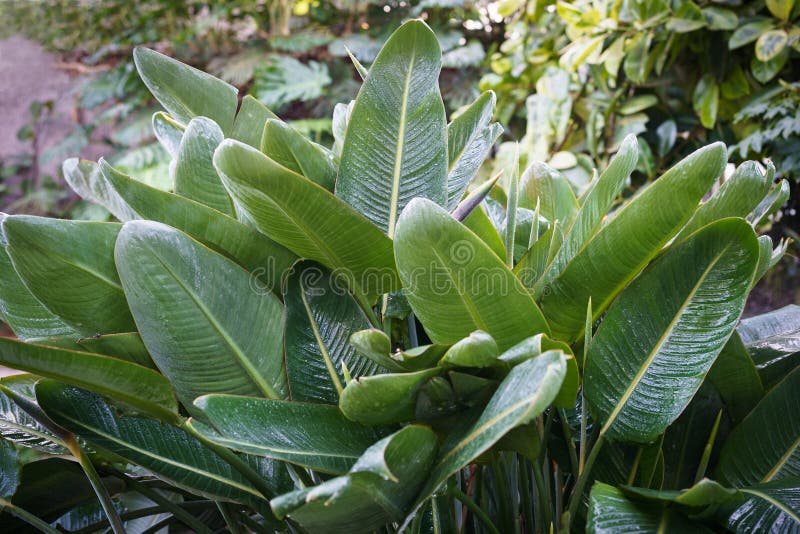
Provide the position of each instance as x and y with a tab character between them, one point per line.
401	137
241	358
168	461
777	504
782	461
664	337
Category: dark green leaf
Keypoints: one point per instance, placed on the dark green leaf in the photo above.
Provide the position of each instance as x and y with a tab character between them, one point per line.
396	144
684	306
288	147
311	435
184	91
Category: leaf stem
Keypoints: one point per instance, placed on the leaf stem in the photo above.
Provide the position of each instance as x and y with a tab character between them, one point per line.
577	491
474	508
237	463
26	516
97	484
701	469
573	454
182	515
544	495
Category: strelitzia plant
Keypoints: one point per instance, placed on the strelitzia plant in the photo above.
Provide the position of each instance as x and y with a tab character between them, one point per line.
348	339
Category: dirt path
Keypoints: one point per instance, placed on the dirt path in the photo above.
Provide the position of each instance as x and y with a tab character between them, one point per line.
29	74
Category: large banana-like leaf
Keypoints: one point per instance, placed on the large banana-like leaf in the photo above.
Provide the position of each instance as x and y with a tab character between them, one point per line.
85	178
167	451
311	435
9	469
773	341
528	389
139	387
610	512
168	131
17	426
288	147
770	507
377	489
384	399
737	197
126	346
765	446
456	284
544	185
26	316
736	378
396	144
624	246
69	267
249	125
320	318
244	245
469	139
185	91
595	203
307	218
205	325
665	330
195	176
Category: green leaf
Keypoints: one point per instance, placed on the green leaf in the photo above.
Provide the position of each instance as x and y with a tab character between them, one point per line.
136	386
704	493
773	341
322	227
620	250
9	469
452	280
747	33
26	316
250	121
375	345
735	84
285	80
470	136
288	147
667	133
764	71
684	306
528	389
184	91
770	44
166	451
736	378
341	118
310	435
69	267
637	58
636	104
320	318
85	178
480	224
396	144
737	197
687	18
476	350
537	345
194	175
126	346
553	192
611	512
17	426
377	490
706	100
266	259
384	399
770	507
595	203
192	305
765	446
720	18
781	8
168	131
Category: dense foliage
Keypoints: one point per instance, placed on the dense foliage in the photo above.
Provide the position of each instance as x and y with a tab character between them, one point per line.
349	339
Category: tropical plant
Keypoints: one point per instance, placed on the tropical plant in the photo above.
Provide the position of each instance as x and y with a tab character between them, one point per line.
296	338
